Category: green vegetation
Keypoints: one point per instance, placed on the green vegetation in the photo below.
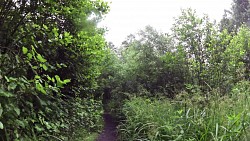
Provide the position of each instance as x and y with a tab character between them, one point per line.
50	53
189	117
58	75
191	84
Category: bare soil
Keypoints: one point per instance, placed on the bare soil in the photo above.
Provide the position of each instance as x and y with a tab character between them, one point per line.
109	132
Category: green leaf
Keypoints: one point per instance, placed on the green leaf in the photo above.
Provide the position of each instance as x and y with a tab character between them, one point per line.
5	94
39	129
63	65
49	78
29	55
44	67
42	102
55	31
58	65
37	77
66	34
59	82
53	80
34	67
12	86
6	78
40	87
66	81
1	125
57	78
20	123
40	58
12	79
17	110
25	50
17	59
45	27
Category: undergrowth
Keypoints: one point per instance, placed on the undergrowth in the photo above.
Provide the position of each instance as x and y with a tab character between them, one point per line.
54	120
190	116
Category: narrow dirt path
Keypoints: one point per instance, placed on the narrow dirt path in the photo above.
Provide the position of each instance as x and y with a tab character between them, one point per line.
109	132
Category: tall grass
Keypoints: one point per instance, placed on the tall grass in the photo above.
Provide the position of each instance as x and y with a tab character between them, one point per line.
191	116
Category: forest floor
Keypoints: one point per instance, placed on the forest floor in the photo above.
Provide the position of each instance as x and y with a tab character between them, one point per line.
109	132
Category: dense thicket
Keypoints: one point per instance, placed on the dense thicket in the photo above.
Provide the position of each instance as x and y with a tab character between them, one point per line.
195	53
50	52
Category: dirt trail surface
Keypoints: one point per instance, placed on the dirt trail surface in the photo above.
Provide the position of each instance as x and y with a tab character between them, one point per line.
109	132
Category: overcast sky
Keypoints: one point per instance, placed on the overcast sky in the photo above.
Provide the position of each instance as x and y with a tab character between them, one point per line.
129	16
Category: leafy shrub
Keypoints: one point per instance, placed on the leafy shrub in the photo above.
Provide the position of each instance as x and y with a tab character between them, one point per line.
44	117
50	52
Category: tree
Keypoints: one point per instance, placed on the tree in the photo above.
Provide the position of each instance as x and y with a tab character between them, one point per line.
214	59
237	55
146	63
239	15
193	36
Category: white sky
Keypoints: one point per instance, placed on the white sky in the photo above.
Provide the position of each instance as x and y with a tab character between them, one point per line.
129	16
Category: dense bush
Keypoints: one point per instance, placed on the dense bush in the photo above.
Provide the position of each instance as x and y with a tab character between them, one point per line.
50	52
48	118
